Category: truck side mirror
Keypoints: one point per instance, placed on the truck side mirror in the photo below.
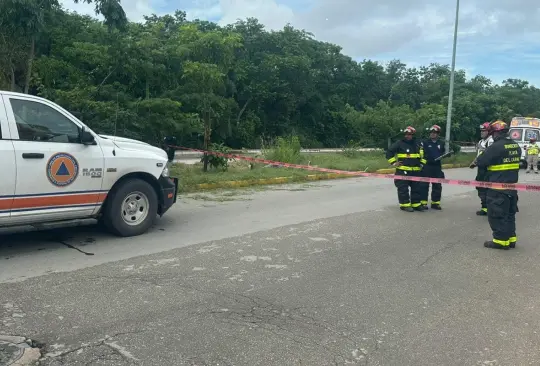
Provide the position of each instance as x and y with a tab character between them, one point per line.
87	138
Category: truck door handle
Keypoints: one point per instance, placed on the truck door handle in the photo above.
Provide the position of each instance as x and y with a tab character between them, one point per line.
33	156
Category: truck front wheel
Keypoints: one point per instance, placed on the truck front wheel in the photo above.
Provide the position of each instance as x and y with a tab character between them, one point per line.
132	208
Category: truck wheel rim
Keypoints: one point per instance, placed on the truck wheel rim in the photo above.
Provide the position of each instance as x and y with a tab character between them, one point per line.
135	208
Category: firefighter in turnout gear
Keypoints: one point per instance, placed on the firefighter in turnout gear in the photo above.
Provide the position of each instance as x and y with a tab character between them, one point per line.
407	156
502	162
532	156
483	144
433	150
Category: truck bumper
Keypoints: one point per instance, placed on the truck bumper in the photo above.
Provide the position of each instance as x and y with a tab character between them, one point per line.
169	190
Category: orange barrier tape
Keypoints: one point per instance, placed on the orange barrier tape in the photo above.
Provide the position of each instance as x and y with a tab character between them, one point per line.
471	183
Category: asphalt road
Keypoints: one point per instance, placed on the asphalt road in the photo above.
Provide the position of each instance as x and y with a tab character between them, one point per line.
322	274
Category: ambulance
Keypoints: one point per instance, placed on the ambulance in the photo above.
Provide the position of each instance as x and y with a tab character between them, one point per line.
521	130
57	170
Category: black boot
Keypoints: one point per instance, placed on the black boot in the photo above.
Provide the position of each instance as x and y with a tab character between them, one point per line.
419	208
406	209
481	213
491	245
436	206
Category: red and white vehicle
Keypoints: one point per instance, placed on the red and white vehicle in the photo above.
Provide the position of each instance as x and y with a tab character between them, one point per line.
521	130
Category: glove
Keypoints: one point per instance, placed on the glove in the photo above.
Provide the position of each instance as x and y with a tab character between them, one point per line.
472	166
397	163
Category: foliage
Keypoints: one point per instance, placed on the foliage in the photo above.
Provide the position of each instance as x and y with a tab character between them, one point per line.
283	149
205	83
352	150
215	161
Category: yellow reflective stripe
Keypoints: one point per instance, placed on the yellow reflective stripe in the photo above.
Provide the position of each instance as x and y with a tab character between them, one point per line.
405	204
423	161
416	204
502	167
435	202
513	239
404	156
484	209
392	160
504	243
423	202
409	168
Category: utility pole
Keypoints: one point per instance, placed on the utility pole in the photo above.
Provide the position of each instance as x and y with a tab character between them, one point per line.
452	73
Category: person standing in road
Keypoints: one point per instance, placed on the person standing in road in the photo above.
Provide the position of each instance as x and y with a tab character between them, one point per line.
407	156
485	141
501	161
532	156
433	150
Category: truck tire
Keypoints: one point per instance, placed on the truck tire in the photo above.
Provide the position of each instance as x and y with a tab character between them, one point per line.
132	208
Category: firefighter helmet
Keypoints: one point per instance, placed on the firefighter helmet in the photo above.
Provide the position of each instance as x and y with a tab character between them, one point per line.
498	126
409	129
435	128
484	126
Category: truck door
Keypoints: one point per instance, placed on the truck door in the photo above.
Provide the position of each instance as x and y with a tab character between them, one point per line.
7	167
58	177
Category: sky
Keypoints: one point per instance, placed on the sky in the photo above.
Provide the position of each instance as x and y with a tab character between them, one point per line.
496	38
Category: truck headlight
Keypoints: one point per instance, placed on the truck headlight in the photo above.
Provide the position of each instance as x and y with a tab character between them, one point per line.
165	172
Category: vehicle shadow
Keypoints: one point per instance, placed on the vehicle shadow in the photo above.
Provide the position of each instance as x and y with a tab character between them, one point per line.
83	238
32	240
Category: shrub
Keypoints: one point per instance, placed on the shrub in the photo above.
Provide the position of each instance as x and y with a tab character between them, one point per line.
284	149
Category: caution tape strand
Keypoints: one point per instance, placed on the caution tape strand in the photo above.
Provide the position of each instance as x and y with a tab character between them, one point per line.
470	183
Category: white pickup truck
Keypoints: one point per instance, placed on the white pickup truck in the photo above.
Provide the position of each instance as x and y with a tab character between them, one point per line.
56	169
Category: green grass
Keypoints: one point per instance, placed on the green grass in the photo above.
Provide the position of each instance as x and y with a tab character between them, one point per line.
192	175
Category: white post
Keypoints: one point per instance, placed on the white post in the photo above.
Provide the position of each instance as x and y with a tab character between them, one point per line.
451	92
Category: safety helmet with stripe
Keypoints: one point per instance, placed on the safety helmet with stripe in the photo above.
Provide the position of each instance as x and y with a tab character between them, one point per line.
498	126
409	129
435	128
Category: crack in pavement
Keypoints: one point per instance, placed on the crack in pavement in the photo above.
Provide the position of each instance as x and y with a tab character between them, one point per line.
104	342
73	247
251	310
438	252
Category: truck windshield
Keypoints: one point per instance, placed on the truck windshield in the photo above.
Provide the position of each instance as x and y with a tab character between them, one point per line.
516	134
532	133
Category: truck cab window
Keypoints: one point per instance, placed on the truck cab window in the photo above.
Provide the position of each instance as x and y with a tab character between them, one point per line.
39	122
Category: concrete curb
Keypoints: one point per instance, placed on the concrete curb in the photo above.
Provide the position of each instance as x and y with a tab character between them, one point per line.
283	180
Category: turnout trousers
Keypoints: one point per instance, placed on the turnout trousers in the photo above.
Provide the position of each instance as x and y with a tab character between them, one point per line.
431	171
405	199
532	163
482	192
501	209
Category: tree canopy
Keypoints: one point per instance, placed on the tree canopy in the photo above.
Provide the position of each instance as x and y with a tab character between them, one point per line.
236	84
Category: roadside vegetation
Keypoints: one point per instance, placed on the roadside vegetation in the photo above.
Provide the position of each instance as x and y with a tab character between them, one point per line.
286	150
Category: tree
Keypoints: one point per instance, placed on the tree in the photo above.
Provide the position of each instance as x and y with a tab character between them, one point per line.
210	85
